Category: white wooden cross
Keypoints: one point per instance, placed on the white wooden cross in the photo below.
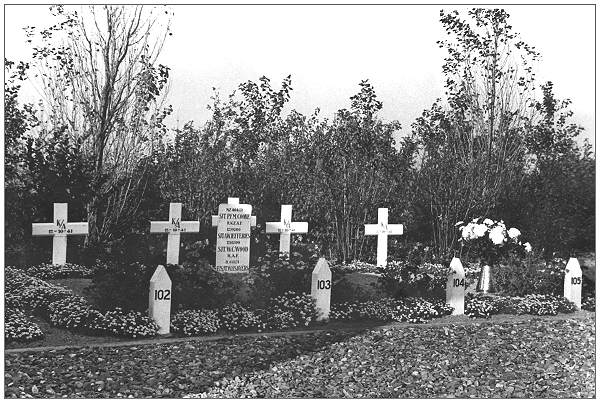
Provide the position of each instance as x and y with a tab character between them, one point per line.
174	227
59	229
382	229
233	200
285	228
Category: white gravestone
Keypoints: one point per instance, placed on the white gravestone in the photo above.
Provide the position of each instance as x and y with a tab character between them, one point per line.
573	282
233	236
159	307
174	228
455	287
285	228
382	229
59	229
320	288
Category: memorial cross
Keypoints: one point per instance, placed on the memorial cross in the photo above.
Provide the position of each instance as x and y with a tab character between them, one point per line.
382	229
174	228
285	228
59	229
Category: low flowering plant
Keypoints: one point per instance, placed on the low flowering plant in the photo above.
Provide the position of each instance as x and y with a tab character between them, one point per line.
490	239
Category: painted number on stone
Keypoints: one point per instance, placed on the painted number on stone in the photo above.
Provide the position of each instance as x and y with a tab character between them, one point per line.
576	280
458	283
323	285
162	295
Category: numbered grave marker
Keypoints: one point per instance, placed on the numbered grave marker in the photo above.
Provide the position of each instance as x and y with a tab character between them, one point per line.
455	287
321	288
573	282
285	228
174	228
159	307
233	236
59	230
382	229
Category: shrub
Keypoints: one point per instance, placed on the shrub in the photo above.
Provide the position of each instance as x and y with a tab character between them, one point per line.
236	317
74	313
50	271
38	298
195	322
199	285
519	277
17	327
400	278
291	310
131	324
275	274
195	285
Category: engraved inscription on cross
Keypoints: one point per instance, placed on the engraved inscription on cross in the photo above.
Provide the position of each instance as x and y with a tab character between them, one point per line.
174	228
232	200
59	229
285	228
382	229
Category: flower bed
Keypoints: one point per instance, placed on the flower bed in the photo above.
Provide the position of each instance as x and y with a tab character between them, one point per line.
17	327
62	309
484	306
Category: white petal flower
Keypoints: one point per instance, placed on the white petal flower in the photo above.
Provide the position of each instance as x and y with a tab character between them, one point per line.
497	235
488	222
479	230
514	233
459	223
467	232
527	247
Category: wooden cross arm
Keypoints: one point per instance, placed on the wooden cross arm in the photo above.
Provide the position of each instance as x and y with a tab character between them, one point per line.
166	226
280	228
47	229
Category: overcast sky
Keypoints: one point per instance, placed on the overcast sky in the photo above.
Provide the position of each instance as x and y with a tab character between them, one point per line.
328	50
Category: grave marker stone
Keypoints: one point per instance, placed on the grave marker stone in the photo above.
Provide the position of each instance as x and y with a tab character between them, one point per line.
320	288
573	282
59	230
455	287
285	228
382	229
174	228
159	307
233	236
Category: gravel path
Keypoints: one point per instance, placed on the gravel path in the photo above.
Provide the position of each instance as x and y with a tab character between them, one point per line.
532	358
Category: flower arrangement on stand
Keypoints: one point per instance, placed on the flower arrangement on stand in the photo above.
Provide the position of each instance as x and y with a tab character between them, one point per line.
491	241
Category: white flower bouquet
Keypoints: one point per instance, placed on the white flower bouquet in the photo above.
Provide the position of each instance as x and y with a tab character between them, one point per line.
491	239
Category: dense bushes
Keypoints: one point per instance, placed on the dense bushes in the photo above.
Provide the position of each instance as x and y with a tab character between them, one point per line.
518	277
195	285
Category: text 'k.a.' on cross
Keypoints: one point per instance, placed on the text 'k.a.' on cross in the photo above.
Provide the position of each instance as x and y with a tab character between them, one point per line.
174	228
59	229
382	229
285	228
